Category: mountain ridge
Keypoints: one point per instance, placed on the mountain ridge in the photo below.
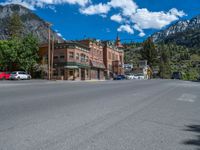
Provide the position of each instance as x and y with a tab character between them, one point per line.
186	33
32	23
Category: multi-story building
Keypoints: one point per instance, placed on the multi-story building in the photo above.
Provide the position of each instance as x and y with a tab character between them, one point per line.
71	60
85	59
113	59
96	58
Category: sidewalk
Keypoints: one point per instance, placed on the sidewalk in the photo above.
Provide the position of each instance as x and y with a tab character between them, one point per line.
75	81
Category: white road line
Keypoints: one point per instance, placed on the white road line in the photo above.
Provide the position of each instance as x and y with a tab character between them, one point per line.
187	98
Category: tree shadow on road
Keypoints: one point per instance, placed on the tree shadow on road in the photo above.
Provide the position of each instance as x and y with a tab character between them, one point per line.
196	140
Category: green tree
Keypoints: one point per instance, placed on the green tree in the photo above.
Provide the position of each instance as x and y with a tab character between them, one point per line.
15	26
28	52
8	54
164	67
19	54
149	52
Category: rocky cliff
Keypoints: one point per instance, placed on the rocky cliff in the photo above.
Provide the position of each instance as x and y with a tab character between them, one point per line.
31	23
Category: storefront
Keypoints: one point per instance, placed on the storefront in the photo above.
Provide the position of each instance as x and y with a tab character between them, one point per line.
76	71
97	71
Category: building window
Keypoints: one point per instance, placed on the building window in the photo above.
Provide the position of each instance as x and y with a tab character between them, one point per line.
77	73
71	73
82	58
86	59
55	57
55	72
113	57
71	54
110	67
116	57
62	72
87	72
62	57
109	55
77	56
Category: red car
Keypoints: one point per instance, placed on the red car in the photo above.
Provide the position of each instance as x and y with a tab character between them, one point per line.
4	75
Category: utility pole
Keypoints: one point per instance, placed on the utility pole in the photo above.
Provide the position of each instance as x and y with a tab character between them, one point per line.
49	50
52	56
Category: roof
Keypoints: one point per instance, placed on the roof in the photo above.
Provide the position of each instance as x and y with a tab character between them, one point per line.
71	44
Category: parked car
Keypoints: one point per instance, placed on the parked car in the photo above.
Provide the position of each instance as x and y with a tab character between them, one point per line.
130	76
20	75
139	76
4	75
177	75
198	78
119	77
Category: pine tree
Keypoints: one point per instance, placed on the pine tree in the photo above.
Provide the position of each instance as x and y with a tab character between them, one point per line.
15	26
165	69
149	52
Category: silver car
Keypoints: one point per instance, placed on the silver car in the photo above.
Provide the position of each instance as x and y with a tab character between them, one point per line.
20	75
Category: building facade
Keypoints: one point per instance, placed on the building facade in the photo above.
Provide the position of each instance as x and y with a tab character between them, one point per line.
85	60
113	60
71	61
96	58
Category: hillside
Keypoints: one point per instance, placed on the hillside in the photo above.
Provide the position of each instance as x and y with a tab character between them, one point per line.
185	33
31	22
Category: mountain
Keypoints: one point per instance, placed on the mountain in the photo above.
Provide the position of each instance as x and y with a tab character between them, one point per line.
185	33
31	23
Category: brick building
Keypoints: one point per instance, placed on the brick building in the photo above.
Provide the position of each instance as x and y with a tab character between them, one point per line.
96	58
85	60
71	60
113	59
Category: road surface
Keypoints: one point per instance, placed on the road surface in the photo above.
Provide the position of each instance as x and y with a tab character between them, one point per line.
110	115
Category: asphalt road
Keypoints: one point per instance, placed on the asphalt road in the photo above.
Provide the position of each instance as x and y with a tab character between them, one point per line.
111	115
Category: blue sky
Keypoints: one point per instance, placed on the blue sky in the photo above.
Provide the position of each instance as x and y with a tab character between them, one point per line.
134	20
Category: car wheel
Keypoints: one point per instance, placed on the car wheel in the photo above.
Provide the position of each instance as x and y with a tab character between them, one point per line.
3	78
28	78
18	78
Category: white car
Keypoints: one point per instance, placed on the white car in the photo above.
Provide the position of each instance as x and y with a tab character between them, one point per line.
139	76
20	75
130	76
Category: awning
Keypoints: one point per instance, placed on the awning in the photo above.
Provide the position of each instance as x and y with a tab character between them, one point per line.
75	65
71	67
97	65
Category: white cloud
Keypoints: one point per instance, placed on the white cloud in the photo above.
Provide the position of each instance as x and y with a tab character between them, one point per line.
141	34
59	34
128	6
145	19
125	28
139	19
96	9
42	3
19	2
175	12
127	12
136	27
118	18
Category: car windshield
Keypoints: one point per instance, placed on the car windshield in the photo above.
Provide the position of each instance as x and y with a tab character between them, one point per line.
14	72
176	73
140	74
